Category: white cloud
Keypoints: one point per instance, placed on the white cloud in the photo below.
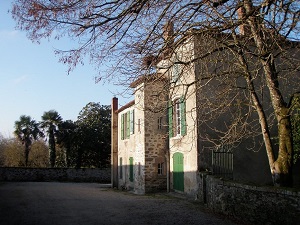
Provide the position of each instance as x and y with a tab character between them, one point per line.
20	79
8	34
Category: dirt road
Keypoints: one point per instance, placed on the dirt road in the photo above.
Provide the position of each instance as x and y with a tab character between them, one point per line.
89	203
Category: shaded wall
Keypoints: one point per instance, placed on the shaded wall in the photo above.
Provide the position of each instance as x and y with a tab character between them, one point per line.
249	203
55	174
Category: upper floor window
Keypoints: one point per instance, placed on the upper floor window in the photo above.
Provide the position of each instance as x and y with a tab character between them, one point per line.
127	124
177	117
131	119
176	73
139	125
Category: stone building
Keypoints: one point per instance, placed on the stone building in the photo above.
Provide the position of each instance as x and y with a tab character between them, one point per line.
162	139
140	146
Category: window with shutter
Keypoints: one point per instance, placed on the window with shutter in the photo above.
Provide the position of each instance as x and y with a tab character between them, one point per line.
132	121
128	124
175	72
177	113
177	69
177	117
122	127
183	116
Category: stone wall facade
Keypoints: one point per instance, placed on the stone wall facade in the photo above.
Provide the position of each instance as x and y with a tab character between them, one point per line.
146	146
252	204
156	141
55	174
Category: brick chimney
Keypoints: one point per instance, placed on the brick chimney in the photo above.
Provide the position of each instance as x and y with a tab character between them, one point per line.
114	142
168	32
168	36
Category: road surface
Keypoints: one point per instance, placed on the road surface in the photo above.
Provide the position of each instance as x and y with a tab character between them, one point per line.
51	203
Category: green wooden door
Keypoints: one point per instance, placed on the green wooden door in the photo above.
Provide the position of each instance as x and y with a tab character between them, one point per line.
178	175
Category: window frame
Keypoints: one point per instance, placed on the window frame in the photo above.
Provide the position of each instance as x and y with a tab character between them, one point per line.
131	119
177	117
160	123
160	169
139	125
127	134
176	71
127	124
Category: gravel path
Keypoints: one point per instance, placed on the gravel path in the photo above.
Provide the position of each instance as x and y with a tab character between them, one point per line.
90	203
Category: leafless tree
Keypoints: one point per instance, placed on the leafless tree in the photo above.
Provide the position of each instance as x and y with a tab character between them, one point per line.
13	154
250	54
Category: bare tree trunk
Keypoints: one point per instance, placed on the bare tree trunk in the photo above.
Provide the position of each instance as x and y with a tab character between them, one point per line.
259	109
281	169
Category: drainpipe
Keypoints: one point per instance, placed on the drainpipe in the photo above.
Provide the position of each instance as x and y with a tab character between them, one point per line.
168	172
167	155
114	143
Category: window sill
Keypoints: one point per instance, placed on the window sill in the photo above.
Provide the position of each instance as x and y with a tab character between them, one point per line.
179	136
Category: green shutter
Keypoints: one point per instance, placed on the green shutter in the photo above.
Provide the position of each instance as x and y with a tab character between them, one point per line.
128	124
131	169
122	127
170	112
183	116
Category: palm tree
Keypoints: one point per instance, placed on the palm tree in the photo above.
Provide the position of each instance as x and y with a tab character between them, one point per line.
27	130
50	121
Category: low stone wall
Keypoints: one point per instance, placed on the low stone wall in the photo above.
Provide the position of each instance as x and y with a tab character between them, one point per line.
55	174
256	205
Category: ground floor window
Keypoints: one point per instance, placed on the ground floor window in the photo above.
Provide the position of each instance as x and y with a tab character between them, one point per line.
131	169
160	168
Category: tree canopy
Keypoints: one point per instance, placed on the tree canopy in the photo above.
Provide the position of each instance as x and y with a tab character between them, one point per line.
81	143
93	135
50	121
27	130
122	33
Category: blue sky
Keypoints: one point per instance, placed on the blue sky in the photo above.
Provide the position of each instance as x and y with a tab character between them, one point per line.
32	80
